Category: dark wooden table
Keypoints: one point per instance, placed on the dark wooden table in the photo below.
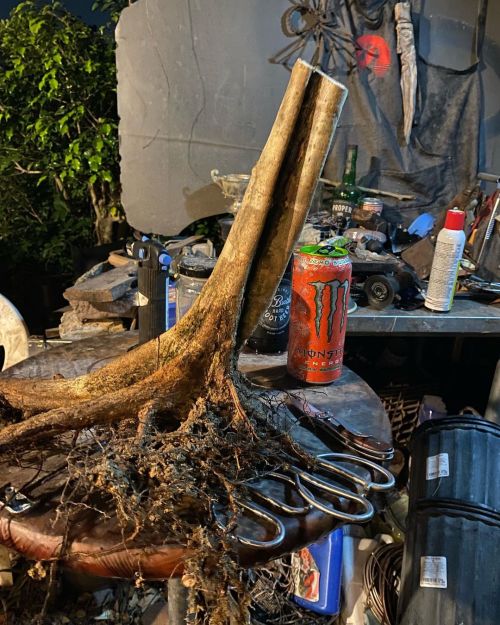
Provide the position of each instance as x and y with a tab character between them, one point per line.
350	398
100	544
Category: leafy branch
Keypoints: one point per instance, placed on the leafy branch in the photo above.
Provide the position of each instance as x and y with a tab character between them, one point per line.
58	122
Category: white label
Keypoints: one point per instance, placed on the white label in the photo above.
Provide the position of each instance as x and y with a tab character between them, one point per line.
433	572
306	576
141	299
437	466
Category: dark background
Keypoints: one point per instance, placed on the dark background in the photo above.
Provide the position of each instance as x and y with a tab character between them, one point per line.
82	8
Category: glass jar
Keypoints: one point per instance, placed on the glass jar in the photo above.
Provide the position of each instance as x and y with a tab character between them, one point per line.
194	271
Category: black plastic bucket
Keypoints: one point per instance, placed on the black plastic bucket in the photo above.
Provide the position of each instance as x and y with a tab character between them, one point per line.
451	572
456	458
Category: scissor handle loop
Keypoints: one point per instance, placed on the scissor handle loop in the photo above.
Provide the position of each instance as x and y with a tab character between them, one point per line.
320	484
388	479
279	505
259	512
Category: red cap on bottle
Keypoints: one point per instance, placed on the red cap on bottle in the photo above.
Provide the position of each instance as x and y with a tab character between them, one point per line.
455	219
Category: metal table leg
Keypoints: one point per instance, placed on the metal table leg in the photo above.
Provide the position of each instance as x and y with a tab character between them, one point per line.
177	596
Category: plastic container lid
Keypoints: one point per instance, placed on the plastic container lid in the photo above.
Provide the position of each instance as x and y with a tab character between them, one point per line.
197	266
455	219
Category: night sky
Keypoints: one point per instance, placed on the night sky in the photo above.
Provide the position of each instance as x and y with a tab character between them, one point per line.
82	8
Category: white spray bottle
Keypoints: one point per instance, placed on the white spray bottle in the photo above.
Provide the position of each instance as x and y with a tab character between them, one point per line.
449	249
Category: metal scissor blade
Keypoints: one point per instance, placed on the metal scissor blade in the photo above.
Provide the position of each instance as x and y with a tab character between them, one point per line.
335	428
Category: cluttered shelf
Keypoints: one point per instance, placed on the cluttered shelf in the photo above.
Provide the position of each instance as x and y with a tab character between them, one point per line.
466	318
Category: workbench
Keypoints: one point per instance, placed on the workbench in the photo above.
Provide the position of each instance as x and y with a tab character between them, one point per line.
349	398
467	318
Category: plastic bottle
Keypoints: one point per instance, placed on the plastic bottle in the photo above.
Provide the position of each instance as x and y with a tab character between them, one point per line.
317	573
449	250
271	334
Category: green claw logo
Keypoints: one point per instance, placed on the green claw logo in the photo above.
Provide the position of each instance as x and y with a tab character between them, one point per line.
334	286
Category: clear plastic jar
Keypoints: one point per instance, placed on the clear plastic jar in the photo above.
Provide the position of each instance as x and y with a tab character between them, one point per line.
194	271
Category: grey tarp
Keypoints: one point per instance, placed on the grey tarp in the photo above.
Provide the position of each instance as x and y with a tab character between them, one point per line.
196	92
443	152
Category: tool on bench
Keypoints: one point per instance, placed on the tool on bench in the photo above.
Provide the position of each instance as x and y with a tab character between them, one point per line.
14	501
152	285
336	432
22	500
329	486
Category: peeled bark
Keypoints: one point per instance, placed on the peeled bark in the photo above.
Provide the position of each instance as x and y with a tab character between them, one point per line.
195	359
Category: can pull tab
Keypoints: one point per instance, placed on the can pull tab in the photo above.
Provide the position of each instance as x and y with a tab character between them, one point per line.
331	251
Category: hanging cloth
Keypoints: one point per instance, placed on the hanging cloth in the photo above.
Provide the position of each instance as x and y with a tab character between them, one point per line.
442	155
408	56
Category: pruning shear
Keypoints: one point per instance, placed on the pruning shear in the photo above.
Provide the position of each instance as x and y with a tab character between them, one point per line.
347	487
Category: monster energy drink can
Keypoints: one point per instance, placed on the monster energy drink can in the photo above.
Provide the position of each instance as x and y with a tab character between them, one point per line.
318	316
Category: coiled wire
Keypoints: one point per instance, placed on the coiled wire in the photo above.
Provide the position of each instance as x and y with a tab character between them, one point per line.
382	576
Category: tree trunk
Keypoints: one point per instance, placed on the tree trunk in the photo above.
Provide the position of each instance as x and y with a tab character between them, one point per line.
196	358
186	430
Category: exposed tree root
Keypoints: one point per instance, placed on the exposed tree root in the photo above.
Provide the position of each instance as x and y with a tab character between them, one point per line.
163	480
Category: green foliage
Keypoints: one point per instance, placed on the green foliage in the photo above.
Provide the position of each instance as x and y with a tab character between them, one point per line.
36	227
58	132
113	7
207	227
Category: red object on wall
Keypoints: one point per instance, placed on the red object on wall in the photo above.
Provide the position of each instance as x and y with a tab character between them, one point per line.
373	52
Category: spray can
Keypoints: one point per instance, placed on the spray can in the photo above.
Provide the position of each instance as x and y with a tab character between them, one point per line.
449	249
317	574
321	282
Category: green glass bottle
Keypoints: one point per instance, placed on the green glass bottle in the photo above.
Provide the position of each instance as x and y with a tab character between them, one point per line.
347	195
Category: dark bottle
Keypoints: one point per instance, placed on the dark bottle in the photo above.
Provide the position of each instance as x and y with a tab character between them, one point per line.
346	196
271	334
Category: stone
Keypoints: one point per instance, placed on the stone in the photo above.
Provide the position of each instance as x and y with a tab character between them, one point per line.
196	92
124	307
72	329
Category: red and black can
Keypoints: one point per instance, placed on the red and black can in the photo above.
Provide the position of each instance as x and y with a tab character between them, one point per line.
321	283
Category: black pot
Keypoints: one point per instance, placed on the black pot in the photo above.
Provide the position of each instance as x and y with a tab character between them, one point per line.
450	570
465	448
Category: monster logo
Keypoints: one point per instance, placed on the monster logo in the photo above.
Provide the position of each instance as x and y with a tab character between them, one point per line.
333	286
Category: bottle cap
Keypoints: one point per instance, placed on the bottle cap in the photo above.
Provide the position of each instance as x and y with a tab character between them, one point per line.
455	219
197	266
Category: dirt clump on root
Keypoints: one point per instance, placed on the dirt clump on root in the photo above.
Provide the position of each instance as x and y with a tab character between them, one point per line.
173	484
